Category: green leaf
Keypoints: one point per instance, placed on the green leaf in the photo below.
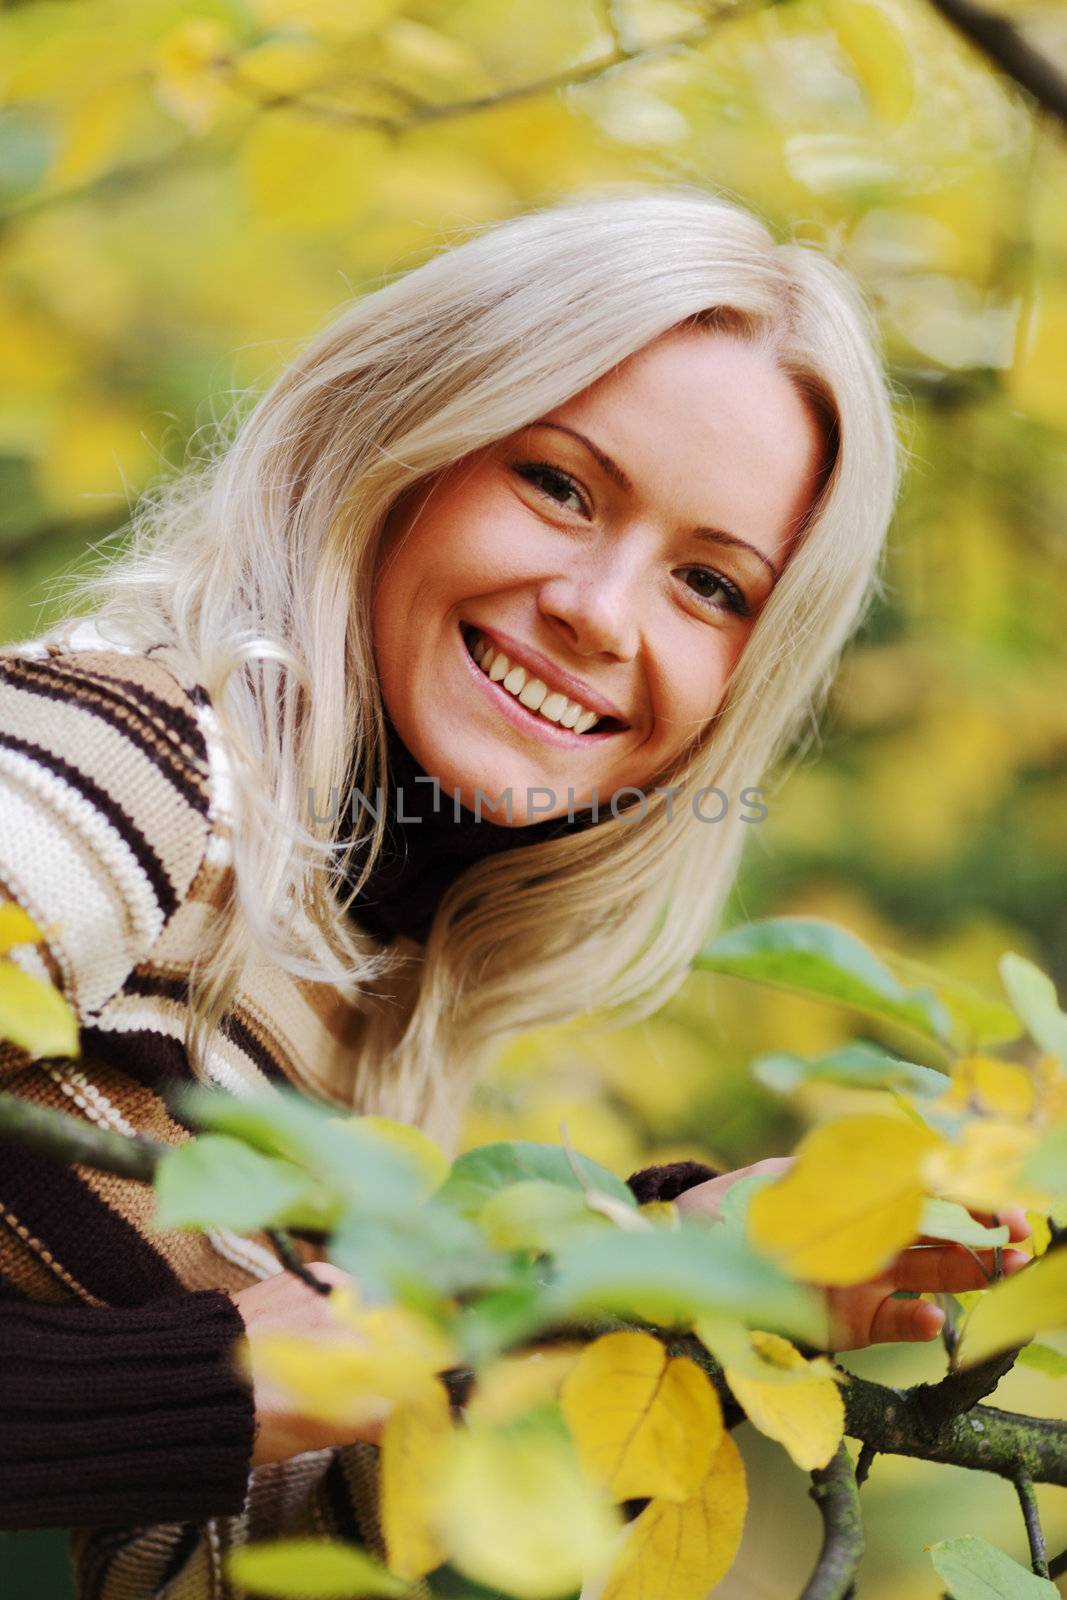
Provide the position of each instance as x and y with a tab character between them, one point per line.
978	1018
1015	1309
944	1219
814	957
34	1015
1043	1358
498	1321
535	1215
359	1164
1046	1165
857	1065
971	1569
667	1277
216	1181
480	1174
417	1255
1033	996
311	1569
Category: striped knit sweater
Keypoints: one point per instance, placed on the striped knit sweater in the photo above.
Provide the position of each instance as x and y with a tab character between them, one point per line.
120	1409
114	837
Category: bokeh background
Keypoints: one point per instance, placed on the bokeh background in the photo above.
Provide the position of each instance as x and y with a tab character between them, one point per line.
189	190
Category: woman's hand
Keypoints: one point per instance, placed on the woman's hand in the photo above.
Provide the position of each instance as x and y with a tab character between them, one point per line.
283	1304
866	1313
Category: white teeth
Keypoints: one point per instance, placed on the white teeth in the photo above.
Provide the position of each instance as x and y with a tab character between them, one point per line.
532	692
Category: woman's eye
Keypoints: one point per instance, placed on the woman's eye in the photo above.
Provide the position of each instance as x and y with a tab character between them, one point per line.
707	583
552	482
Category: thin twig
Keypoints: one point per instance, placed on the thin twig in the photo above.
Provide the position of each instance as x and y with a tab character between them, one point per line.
1008	49
420	112
1024	1488
833	1488
1058	1565
863	1465
290	1259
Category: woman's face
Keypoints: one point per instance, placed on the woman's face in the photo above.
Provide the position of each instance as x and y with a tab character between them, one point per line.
617	552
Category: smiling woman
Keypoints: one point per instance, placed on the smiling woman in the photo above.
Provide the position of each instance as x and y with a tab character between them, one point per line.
581	510
569	563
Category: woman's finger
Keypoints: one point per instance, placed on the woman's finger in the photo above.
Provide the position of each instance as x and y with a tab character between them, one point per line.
907	1320
948	1269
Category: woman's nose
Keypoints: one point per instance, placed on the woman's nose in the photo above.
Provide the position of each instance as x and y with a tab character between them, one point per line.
597	610
597	620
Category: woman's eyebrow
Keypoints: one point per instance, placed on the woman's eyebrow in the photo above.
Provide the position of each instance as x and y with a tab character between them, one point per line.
619	477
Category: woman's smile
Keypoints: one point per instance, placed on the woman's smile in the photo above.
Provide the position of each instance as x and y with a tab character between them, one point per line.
562	610
532	703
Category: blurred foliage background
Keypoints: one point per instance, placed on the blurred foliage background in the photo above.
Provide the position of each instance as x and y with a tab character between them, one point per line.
188	189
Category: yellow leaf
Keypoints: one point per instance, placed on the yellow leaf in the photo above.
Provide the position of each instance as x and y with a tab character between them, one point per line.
1035	383
680	1551
331	17
17	927
990	1088
34	1015
315	1569
91	133
411	1445
284	65
515	1511
731	1343
878	53
308	174
96	452
192	64
387	1355
426	1156
664	1213
1017	1308
849	1203
644	1423
981	1168
807	1417
517	1383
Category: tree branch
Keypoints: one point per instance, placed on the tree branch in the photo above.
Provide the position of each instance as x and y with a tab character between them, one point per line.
1005	46
834	1490
1028	1504
418	113
960	1391
75	1142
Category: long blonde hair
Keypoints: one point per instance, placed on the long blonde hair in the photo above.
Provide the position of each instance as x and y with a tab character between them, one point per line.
255	563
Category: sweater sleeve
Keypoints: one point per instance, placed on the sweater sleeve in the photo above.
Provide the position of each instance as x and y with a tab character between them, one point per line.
105	811
112	1415
668	1182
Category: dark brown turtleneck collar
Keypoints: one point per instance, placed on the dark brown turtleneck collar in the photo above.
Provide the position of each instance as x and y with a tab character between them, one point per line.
426	849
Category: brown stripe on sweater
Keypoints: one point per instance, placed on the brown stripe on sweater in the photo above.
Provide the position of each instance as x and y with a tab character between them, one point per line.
101	1250
142	1055
238	1025
165	731
102	802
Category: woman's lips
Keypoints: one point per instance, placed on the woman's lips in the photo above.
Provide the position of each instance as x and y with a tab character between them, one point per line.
530	721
